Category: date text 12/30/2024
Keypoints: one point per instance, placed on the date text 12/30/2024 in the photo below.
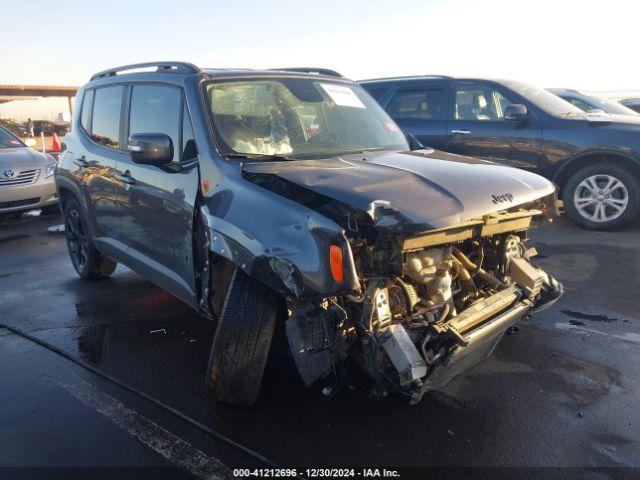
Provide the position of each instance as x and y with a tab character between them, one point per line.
315	473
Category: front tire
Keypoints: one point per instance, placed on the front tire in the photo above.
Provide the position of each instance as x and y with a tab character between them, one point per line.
87	261
602	197
242	340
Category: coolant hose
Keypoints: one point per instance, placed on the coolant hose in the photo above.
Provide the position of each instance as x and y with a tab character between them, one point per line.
465	277
483	274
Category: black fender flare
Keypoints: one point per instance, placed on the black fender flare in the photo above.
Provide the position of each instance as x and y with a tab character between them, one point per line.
67	184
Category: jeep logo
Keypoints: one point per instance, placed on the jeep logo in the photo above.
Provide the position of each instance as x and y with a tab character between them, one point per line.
505	197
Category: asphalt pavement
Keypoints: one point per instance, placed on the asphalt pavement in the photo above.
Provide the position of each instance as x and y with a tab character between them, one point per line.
559	398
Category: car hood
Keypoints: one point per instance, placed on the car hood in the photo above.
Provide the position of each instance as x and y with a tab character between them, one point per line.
596	119
412	191
22	157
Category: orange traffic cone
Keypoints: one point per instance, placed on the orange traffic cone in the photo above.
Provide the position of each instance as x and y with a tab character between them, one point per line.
55	143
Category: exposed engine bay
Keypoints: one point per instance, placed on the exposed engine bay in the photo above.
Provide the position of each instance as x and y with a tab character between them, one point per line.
431	306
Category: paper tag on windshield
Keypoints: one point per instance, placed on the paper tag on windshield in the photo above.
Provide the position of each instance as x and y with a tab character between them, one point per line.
342	95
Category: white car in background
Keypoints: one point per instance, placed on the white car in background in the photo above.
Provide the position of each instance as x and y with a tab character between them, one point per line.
26	177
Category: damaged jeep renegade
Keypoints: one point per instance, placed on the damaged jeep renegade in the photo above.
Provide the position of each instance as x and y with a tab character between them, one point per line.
289	198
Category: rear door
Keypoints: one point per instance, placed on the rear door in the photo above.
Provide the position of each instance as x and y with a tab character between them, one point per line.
157	203
477	127
421	110
102	148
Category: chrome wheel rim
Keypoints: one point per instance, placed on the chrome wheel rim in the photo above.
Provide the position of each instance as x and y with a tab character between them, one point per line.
601	198
76	240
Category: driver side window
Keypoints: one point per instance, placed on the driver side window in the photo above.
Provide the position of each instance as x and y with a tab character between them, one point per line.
479	102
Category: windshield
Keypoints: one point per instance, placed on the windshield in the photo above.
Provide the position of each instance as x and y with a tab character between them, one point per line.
8	140
610	106
545	100
298	118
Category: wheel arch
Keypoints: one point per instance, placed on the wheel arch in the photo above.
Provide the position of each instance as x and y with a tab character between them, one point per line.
65	194
572	165
67	190
216	257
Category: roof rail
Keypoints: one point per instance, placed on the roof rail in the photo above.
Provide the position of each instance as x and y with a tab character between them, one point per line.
177	67
406	77
315	71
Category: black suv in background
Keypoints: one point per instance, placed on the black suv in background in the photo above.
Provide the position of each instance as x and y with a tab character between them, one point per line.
594	159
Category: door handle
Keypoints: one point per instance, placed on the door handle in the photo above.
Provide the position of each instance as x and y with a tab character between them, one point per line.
461	132
81	162
126	178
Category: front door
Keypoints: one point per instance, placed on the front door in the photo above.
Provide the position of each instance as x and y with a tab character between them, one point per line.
477	127
156	203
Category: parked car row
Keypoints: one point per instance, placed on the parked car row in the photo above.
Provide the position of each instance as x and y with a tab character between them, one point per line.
47	127
594	159
18	129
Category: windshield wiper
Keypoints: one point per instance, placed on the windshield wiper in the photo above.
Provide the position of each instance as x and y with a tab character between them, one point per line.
260	157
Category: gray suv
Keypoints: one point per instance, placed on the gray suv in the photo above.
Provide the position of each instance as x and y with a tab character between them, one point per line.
289	197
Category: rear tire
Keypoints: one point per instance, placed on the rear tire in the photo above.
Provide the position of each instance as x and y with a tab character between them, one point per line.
592	205
242	340
87	261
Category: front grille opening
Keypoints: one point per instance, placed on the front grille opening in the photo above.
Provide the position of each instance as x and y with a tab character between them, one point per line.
24	177
20	203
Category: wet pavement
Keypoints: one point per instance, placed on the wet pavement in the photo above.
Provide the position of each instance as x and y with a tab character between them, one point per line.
561	392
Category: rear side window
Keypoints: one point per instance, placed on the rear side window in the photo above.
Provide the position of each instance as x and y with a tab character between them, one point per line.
87	104
156	109
105	124
419	104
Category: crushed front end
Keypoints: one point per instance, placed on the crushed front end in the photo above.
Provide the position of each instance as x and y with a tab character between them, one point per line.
431	305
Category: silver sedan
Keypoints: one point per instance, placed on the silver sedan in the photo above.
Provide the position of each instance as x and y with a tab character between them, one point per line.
26	177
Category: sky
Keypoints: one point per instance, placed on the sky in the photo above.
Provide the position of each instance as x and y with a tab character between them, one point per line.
585	44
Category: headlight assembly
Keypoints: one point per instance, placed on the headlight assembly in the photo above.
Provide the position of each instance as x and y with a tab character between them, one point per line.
51	168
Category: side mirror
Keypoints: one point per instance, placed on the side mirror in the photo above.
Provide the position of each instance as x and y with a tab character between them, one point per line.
414	143
151	148
516	113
